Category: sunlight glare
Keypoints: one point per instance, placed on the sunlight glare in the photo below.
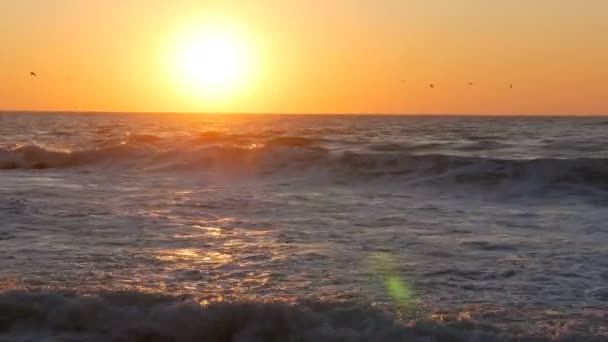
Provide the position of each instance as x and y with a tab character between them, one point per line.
211	61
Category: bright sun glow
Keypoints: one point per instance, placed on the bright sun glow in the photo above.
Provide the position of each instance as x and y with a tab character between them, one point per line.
211	62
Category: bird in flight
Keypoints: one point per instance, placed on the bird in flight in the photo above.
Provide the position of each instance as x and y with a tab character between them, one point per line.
33	74
432	85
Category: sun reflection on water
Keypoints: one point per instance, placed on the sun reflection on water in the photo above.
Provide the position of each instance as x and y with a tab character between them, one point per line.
191	255
212	231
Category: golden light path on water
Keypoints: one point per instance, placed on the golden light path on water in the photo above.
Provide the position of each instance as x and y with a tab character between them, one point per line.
223	248
218	255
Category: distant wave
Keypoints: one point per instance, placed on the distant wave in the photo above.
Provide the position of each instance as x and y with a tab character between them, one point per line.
297	155
132	316
393	147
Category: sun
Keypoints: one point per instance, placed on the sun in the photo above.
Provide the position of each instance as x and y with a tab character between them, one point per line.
211	61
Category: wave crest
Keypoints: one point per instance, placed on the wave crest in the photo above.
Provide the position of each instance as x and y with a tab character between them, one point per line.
296	156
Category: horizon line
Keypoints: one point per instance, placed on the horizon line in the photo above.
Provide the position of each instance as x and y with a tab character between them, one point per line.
22	111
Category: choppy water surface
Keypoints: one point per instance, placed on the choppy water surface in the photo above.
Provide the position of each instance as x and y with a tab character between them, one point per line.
498	221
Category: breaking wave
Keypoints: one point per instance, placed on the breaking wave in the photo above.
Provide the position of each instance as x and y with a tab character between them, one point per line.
295	155
134	316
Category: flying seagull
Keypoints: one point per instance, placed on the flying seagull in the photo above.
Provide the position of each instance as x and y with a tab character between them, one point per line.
33	74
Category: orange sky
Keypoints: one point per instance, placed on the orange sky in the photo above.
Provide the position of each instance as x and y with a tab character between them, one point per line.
335	56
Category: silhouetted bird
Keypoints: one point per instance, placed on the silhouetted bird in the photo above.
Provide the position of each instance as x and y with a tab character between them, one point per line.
432	85
33	73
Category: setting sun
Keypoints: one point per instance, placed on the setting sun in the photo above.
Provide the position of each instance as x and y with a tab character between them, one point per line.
210	62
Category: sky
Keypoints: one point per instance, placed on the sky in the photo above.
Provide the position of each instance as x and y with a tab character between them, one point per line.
305	56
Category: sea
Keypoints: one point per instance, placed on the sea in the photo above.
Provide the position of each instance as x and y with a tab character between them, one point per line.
234	227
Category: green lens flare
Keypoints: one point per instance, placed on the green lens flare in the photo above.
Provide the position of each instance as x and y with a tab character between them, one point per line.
397	288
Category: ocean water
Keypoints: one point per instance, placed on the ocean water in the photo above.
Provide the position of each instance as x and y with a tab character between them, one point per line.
159	227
